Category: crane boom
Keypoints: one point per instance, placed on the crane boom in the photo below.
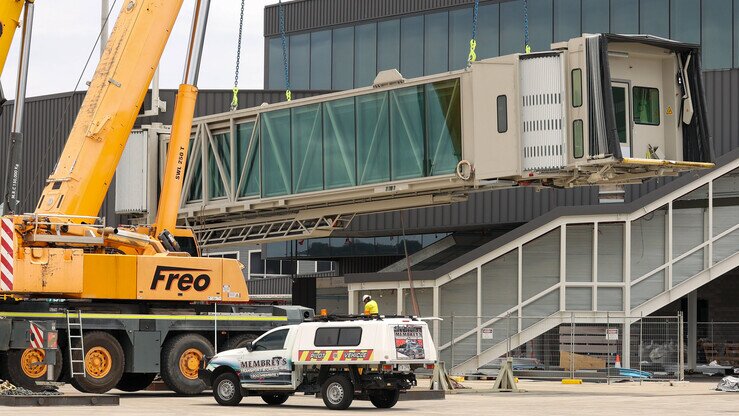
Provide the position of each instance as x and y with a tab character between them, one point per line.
81	179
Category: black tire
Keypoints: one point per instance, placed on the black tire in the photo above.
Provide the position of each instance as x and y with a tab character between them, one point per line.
238	341
227	389
385	399
12	369
175	350
98	380
275	399
337	392
132	382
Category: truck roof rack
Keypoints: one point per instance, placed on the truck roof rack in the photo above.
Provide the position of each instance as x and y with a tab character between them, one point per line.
341	318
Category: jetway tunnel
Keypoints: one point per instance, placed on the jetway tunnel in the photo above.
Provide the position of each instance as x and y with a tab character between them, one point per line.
596	110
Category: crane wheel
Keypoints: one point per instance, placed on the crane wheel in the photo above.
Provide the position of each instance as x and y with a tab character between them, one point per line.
238	341
182	356
104	363
131	382
22	368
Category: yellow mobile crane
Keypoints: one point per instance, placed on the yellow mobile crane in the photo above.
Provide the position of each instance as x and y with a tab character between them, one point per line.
133	301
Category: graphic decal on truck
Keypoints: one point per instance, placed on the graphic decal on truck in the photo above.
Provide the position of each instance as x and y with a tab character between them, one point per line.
272	371
409	342
335	355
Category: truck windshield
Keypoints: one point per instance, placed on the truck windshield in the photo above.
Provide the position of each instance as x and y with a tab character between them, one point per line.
273	341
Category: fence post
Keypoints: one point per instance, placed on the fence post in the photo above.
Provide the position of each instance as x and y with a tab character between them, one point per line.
608	344
452	341
641	343
572	345
508	337
680	348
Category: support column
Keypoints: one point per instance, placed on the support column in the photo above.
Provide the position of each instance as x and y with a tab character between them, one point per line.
626	344
692	329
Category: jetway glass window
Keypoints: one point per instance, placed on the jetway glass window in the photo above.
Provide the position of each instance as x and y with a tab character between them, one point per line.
611	252
247	159
411	46
648	242
342	68
654	17
365	54
339	146
194	162
685	20
646	106
320	60
595	16
717	31
444	126
407	132
307	137
373	139
625	16
275	131
388	45
219	165
436	53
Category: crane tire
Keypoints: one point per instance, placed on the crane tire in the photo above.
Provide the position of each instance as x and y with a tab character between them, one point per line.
181	358
18	368
104	363
131	382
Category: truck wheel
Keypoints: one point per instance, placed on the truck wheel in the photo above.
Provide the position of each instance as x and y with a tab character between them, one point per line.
227	389
131	382
384	399
238	341
22	370
337	392
104	363
181	359
275	399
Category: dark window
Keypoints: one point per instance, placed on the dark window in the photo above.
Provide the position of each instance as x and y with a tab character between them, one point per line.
566	19
502	113
646	106
577	139
654	17
717	33
272	341
411	46
511	29
595	16
685	20
338	337
488	33
273	267
256	263
324	266
576	87
289	267
388	45
436	43
275	65
342	69
188	245
300	61
625	16
365	54
540	26
320	60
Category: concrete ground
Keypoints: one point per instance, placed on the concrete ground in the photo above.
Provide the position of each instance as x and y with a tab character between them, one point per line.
540	398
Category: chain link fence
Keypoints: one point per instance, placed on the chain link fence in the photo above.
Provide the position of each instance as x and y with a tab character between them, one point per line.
596	348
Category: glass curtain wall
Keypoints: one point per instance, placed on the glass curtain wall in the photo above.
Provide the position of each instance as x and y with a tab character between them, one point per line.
424	44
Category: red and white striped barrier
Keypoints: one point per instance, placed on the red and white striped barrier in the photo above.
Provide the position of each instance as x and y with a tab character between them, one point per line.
7	247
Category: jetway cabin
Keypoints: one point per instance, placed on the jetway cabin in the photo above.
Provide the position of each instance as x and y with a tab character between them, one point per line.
598	109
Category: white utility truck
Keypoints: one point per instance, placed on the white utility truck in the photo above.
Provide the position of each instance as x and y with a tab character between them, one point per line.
364	358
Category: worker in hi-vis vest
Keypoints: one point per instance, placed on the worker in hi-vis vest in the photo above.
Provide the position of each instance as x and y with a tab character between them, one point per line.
370	306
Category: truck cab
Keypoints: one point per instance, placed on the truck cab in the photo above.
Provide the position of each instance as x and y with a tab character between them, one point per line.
359	358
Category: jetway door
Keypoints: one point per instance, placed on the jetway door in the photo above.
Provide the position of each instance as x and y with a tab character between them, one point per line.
542	105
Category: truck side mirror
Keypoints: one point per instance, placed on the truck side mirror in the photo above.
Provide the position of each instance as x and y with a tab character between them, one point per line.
249	346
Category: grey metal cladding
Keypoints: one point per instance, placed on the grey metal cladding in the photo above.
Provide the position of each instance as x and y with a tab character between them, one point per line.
301	15
520	205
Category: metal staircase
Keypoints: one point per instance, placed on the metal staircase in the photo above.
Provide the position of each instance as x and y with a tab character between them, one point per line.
75	343
604	263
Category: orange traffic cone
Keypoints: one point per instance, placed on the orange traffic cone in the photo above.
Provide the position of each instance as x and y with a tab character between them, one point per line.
618	361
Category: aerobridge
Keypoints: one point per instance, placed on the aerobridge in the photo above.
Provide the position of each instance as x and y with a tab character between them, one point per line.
596	110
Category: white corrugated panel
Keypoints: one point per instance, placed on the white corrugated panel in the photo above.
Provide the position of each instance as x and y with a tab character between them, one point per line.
542	109
131	175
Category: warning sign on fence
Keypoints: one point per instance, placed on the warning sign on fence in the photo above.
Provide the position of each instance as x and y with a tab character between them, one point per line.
487	333
612	334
